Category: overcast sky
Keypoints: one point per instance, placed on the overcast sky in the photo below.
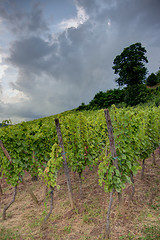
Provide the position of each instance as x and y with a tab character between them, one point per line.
56	54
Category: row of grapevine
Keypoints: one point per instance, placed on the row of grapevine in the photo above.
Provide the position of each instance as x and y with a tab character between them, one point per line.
33	146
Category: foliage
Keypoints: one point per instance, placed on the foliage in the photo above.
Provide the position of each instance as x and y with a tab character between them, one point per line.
158	75
152	80
53	166
104	100
130	65
34	145
81	143
136	133
132	72
136	94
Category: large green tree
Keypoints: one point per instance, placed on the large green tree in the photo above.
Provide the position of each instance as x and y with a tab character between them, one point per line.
130	65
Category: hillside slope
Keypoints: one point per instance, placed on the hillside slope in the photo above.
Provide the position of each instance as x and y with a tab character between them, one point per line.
138	219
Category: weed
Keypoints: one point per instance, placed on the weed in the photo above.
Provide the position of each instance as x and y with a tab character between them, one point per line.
55	217
76	210
35	223
85	218
85	237
67	229
142	216
9	215
92	210
155	206
129	237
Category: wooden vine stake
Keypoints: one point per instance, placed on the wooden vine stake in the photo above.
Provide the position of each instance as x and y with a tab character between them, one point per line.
143	168
66	170
30	192
1	192
15	189
115	163
154	158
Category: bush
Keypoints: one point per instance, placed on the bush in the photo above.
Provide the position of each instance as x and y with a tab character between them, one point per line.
136	94
152	80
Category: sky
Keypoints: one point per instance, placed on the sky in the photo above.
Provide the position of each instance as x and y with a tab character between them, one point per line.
56	54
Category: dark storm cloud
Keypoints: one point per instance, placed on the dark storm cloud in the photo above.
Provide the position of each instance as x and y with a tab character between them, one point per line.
22	20
57	75
128	16
28	53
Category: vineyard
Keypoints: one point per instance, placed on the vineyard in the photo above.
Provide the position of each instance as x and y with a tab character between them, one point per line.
65	151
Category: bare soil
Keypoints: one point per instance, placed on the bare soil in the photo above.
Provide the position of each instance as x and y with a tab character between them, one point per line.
87	219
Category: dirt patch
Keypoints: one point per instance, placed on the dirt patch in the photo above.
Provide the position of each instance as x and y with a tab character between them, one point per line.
87	220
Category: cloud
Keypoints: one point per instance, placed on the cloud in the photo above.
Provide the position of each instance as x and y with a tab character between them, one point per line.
22	22
3	68
29	52
74	22
56	74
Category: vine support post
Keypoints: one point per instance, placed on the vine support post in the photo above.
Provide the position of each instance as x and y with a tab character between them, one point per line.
5	151
1	191
112	144
30	192
66	170
111	138
133	187
143	168
154	159
80	184
107	234
115	163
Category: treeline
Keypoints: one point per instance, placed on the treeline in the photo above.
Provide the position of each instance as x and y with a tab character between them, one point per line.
119	97
130	66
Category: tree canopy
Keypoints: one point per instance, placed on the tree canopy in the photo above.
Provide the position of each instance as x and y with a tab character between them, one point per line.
130	65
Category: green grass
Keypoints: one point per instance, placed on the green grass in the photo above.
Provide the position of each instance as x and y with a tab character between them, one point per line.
127	237
8	234
151	233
